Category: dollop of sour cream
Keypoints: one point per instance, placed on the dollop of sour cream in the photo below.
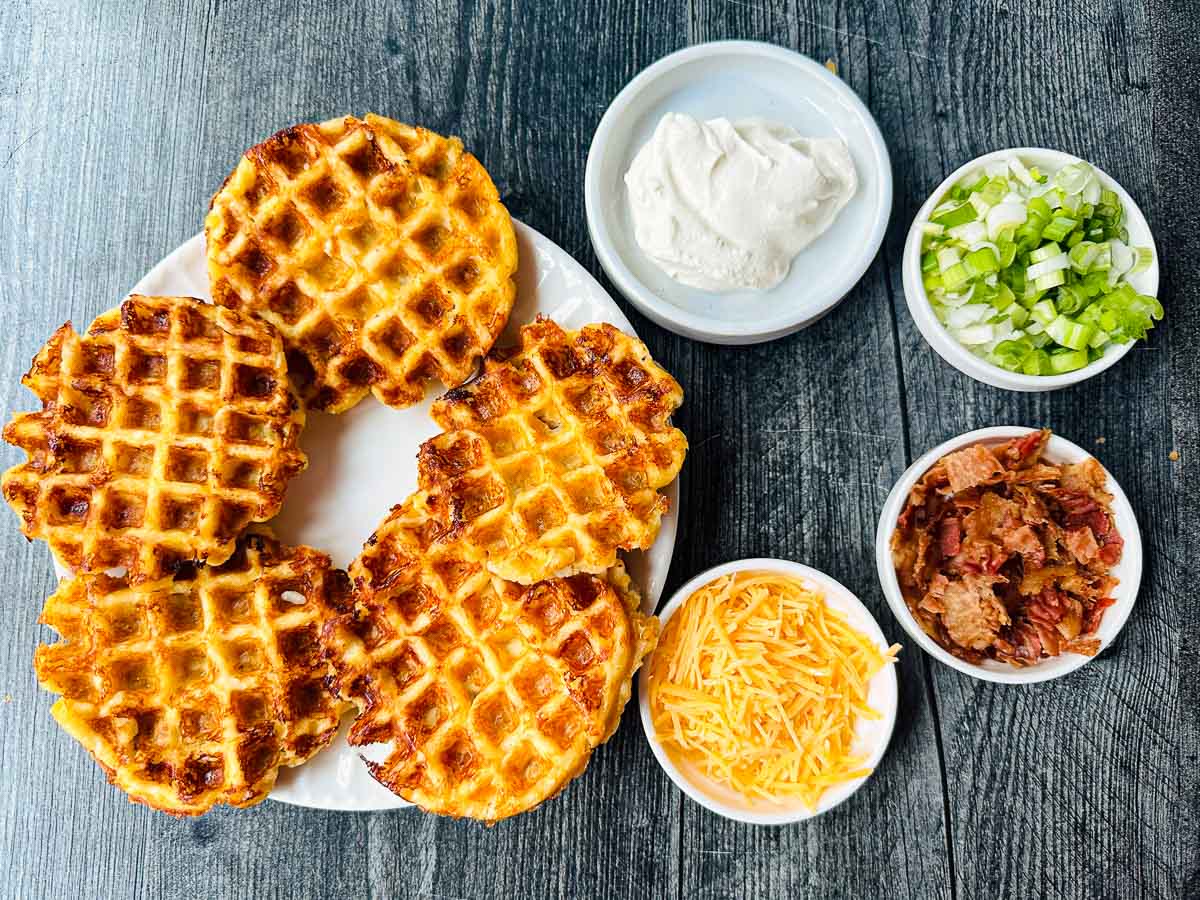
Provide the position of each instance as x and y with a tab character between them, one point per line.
727	206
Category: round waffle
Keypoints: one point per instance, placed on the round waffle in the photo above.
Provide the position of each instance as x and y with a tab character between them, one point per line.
165	430
478	697
193	691
553	459
380	251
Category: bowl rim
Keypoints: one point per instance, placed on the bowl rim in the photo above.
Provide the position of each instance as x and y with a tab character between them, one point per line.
936	335
682	321
890	684
1047	669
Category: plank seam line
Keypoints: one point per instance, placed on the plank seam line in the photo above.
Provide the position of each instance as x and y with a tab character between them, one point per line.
928	675
679	854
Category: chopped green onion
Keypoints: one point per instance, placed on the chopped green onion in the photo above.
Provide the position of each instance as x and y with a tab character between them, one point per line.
955	277
1068	362
1029	271
1059	228
1143	259
1070	334
1043	311
958	214
1037	363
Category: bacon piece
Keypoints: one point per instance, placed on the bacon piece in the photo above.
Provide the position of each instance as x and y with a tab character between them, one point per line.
1110	551
1024	540
1093	617
950	537
1082	544
1020	452
1084	646
1038	472
932	601
973	615
1094	519
971	466
1087	477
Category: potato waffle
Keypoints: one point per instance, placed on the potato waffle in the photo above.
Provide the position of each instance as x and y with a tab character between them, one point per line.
165	430
478	697
553	459
380	251
193	691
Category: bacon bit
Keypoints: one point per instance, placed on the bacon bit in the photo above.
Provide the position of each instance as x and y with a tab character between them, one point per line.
1024	540
950	537
1082	544
1110	550
1091	619
1001	555
974	465
973	615
1022	450
1084	646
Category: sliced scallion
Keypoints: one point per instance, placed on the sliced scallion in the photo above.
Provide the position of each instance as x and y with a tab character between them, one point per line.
1030	270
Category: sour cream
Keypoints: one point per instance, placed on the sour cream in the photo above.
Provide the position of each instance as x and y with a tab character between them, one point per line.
727	206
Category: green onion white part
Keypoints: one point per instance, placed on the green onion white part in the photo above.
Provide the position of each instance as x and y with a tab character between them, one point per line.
1030	271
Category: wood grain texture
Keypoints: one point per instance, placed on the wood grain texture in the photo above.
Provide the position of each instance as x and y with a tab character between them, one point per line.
122	118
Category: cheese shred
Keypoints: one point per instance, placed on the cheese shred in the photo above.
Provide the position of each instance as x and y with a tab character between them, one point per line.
760	685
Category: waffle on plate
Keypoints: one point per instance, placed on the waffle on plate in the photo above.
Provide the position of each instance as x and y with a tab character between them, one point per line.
553	459
478	697
381	252
193	691
165	430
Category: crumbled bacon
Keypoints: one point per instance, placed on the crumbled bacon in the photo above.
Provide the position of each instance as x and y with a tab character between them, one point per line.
973	616
1082	544
967	468
1003	555
950	536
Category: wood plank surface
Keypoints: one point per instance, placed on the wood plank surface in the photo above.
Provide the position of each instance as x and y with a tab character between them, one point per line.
122	118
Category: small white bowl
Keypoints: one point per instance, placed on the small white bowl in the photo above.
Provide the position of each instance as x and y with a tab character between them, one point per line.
872	736
738	79
1128	571
1049	161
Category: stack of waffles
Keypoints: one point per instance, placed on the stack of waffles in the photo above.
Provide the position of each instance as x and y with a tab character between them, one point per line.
486	637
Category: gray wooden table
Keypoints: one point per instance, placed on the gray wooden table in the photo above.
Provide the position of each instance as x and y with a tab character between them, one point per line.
120	120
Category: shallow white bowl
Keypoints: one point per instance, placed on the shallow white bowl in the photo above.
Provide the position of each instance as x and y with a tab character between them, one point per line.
872	736
738	79
1128	571
1050	161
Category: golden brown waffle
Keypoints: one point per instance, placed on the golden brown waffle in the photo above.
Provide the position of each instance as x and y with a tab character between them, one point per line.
553	459
380	251
194	691
478	697
165	430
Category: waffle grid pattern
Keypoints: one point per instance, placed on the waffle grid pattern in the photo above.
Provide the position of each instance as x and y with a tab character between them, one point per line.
193	691
165	431
380	251
479	697
553	459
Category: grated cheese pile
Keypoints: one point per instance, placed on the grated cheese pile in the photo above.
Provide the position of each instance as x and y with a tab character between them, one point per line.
760	685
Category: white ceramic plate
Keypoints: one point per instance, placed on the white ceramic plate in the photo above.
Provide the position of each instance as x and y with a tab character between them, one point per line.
738	79
949	349
1128	571
871	736
362	462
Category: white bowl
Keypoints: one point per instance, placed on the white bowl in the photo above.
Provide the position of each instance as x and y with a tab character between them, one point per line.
1128	571
1050	161
872	736
738	79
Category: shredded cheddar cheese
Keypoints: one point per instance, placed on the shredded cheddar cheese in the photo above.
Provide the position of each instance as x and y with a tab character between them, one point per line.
760	685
